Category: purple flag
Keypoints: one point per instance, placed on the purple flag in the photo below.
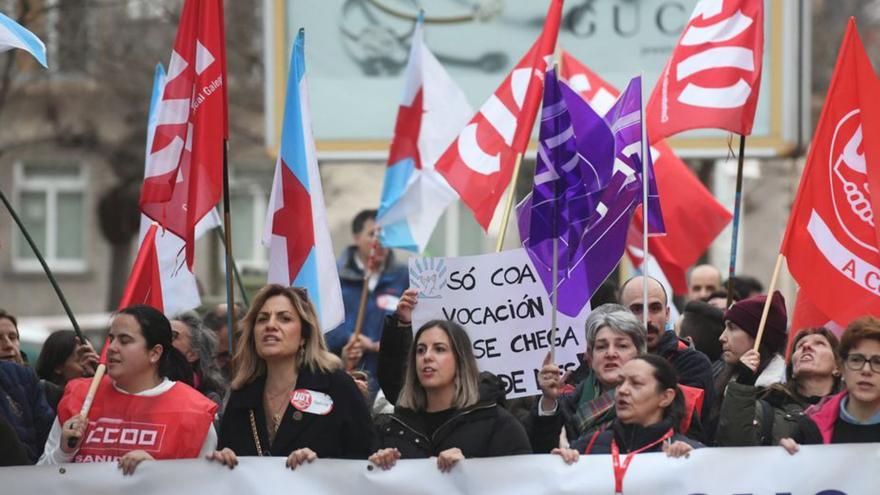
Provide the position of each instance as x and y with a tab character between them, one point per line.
571	197
624	118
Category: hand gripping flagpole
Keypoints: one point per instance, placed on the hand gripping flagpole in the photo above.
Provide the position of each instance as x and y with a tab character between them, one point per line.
770	290
45	266
127	299
365	290
737	201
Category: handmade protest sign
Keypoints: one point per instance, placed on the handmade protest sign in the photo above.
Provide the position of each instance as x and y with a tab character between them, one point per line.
499	299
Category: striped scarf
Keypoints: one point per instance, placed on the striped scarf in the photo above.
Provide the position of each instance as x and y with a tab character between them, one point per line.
595	409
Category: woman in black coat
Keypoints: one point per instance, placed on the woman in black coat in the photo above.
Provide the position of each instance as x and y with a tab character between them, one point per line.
290	396
649	406
439	412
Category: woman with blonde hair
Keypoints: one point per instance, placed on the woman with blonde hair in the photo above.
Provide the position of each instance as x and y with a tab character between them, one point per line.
290	396
439	412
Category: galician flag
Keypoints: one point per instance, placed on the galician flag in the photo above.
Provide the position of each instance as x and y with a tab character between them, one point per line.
300	250
14	35
432	111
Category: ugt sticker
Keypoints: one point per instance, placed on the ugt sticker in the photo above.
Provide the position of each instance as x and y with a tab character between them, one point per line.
311	401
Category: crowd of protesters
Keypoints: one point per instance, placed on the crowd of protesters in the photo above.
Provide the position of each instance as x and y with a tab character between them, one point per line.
388	393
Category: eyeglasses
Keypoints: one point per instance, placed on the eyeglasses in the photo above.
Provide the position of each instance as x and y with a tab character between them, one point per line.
856	362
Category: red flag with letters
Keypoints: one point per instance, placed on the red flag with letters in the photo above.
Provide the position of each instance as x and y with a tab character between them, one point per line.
479	163
693	217
831	242
713	77
184	173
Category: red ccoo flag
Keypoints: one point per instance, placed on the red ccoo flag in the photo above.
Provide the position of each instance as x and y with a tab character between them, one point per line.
479	163
831	242
693	217
184	175
713	77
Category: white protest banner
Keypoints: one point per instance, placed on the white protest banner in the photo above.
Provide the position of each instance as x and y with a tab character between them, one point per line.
500	301
852	469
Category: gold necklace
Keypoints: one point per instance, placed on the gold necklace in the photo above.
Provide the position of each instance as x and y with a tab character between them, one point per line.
275	412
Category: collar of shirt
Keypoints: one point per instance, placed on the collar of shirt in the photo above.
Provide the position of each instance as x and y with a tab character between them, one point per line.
849	418
151	392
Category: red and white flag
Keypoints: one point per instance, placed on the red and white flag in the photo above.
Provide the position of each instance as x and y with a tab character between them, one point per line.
713	77
693	217
184	176
831	242
479	163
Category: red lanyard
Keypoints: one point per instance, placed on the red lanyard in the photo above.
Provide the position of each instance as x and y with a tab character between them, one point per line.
620	469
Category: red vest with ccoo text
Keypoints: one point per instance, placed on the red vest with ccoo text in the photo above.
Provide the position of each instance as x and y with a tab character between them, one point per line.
171	425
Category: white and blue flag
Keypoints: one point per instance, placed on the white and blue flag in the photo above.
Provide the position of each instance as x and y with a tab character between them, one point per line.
14	35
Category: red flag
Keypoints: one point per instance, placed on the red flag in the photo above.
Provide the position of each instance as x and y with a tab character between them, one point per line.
713	77
479	163
693	217
144	285
806	315
184	176
831	242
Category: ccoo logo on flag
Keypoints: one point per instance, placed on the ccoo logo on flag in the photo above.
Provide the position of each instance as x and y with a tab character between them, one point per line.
848	177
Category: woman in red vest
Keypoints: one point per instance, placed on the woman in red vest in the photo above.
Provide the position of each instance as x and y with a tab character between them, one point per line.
290	396
140	411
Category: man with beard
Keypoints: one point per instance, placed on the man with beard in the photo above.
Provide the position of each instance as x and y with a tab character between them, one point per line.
693	367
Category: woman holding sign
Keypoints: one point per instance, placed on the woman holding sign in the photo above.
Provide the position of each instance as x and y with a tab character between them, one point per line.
142	410
290	396
439	412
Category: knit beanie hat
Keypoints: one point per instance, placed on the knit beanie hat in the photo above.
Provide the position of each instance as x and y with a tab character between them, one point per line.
747	315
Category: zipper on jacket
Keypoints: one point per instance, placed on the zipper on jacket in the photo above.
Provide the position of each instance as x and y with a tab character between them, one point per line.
459	415
445	423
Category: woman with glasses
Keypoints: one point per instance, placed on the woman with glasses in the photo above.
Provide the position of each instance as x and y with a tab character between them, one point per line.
852	416
290	396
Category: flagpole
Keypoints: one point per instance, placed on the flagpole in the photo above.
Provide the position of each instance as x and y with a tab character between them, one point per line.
555	298
645	149
769	300
365	291
737	201
45	266
511	194
227	231
222	236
